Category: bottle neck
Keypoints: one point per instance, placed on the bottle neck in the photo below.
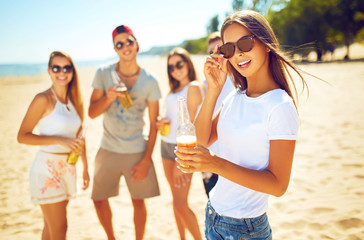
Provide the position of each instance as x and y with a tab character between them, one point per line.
183	115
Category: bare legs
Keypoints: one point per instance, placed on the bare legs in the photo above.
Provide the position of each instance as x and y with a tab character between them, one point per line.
104	214
185	218
55	220
140	218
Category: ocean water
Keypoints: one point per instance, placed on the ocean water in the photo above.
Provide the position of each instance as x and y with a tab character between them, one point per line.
20	69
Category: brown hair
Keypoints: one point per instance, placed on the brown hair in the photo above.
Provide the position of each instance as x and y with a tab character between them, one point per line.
173	83
278	63
73	91
213	37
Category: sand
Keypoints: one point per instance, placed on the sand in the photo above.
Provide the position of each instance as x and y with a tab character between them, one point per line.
325	198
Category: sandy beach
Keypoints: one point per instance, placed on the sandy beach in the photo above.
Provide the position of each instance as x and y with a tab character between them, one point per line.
325	198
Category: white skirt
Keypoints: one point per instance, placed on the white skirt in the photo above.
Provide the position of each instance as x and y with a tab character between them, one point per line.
52	179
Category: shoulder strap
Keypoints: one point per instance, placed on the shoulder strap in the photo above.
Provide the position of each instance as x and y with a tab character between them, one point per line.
55	95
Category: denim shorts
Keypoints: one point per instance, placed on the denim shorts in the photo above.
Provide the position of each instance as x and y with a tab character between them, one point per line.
220	228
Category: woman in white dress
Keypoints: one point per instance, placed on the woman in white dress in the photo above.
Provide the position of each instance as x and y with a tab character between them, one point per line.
58	114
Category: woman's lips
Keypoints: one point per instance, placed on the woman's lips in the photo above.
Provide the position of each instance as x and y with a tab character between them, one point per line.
245	64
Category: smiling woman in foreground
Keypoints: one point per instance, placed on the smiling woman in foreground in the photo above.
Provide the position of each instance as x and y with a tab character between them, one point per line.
256	127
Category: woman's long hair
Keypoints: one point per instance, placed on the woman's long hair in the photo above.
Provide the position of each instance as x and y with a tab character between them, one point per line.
173	83
278	63
73	91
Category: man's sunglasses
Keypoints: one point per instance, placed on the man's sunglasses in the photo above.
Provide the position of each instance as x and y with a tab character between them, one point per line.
120	45
178	65
244	44
58	69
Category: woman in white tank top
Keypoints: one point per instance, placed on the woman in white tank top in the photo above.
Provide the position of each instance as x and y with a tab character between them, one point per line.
58	114
182	81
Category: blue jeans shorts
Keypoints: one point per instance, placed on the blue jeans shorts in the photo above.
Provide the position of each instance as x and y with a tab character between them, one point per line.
220	228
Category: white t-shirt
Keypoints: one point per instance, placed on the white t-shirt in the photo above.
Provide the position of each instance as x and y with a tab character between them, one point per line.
246	126
227	88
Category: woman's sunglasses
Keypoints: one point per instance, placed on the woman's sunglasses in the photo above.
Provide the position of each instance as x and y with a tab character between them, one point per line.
120	45
58	69
178	65
244	44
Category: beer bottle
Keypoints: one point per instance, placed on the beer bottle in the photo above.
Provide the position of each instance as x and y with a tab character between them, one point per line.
186	134
73	155
125	101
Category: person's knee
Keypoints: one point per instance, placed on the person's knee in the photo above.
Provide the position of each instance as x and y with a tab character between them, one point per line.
138	203
58	228
180	206
100	204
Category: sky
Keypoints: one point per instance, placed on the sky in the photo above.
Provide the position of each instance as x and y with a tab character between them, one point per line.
31	29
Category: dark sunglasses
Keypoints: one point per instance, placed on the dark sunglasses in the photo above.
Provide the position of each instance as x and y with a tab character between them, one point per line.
58	69
178	65
244	44
120	45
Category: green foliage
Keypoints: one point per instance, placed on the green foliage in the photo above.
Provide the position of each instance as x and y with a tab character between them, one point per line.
322	23
258	5
347	17
196	46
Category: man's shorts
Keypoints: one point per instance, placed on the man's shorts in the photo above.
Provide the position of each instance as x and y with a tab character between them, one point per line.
167	150
110	166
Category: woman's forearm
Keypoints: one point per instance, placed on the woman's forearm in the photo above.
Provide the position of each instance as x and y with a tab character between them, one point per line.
203	122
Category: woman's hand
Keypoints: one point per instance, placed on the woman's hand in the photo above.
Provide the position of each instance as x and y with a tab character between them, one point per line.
197	159
86	179
161	121
215	70
74	144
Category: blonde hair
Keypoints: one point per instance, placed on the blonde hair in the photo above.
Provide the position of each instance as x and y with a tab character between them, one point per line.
173	83
73	91
278	62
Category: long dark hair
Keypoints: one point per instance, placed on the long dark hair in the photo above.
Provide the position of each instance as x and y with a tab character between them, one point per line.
278	62
173	83
73	91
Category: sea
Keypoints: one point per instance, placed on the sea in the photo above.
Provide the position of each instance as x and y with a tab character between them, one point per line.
29	69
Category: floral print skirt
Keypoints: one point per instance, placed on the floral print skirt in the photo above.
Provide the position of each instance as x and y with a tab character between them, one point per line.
52	179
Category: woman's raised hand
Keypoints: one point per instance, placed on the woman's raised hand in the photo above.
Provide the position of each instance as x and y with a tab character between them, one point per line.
215	70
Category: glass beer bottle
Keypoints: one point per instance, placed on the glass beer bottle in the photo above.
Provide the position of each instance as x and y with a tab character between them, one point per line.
186	134
73	155
125	101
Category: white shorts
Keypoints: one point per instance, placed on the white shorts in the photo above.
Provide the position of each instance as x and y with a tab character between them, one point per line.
52	179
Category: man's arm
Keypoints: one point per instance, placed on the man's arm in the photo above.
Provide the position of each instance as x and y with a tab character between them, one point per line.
100	101
140	170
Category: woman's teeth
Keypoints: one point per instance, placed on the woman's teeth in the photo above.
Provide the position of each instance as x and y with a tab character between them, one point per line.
244	63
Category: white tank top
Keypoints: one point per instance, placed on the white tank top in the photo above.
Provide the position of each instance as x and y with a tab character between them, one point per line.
62	121
171	114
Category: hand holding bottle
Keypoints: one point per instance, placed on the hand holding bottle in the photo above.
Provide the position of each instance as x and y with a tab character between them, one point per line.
125	99
163	125
75	154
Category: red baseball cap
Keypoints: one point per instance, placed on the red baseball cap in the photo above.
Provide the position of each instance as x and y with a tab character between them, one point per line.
123	29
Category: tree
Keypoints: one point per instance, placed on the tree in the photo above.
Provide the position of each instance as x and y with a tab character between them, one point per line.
213	26
347	17
300	22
